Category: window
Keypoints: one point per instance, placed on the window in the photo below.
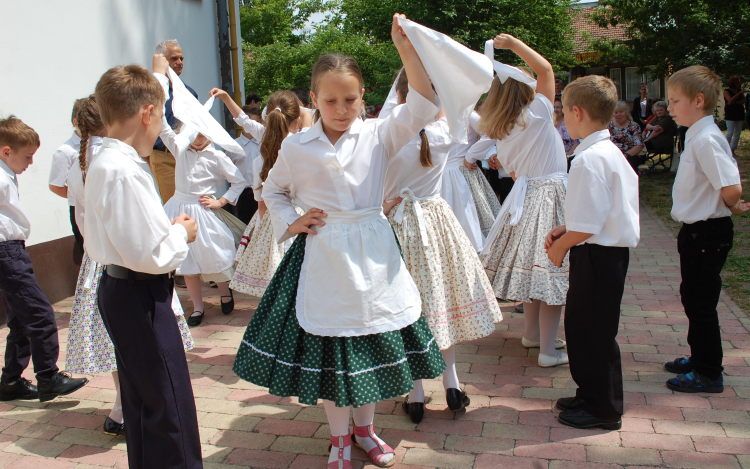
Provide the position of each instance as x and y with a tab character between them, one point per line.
615	74
654	88
633	81
596	71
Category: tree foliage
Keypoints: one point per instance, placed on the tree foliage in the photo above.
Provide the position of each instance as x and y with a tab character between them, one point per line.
264	22
673	34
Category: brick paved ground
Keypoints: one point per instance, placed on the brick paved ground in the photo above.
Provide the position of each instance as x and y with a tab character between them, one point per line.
511	422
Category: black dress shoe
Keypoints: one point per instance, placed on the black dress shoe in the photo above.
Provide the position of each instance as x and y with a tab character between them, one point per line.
228	307
569	403
113	428
61	384
21	389
195	319
456	399
415	410
582	419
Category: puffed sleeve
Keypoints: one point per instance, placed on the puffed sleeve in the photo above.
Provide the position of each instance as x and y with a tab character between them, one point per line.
233	175
405	122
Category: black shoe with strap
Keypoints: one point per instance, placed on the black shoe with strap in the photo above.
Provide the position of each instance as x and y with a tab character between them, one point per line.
61	384
456	399
415	410
113	428
20	389
195	319
227	307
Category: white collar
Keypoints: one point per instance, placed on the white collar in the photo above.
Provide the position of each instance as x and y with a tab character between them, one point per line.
122	147
75	138
316	131
698	126
593	138
10	172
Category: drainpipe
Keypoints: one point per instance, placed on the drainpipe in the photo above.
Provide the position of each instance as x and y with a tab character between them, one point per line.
238	86
225	63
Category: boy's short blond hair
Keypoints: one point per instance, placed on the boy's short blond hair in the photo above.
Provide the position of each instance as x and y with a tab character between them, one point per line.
15	134
697	79
123	90
597	95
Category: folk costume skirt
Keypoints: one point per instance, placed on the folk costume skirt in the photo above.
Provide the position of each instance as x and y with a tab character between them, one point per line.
457	298
484	196
455	190
278	354
257	257
517	264
90	350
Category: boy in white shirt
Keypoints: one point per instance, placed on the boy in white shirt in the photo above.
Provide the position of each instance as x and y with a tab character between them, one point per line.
62	159
127	230
602	223
706	193
246	204
31	320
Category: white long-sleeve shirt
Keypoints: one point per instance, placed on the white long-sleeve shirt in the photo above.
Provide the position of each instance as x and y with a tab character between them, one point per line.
202	172
245	161
76	189
14	225
347	176
125	223
459	150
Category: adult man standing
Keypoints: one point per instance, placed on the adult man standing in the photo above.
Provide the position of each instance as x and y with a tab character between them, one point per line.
162	162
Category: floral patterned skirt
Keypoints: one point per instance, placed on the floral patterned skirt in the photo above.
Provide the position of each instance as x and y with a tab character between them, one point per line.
90	350
484	198
257	257
517	265
457	298
278	354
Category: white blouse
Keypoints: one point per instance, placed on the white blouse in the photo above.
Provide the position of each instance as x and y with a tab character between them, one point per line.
459	150
202	172
75	180
125	223
349	175
406	172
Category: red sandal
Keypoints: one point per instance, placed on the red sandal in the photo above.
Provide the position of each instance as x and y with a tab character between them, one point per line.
340	442
376	454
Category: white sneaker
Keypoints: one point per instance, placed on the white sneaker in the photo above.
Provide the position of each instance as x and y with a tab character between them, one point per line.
546	361
559	343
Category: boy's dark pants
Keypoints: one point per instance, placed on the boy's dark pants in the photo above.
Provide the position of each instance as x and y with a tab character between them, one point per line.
31	320
161	425
592	318
246	206
703	248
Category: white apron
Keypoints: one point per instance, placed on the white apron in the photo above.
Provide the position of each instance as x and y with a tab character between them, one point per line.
353	280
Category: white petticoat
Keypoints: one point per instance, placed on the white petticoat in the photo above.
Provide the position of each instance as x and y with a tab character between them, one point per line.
455	190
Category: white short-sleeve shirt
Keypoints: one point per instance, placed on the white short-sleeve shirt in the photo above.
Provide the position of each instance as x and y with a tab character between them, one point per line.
602	196
706	165
14	225
62	160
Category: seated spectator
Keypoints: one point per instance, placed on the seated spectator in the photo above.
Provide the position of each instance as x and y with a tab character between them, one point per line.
626	134
661	130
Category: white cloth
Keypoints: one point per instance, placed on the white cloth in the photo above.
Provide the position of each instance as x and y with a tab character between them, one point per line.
62	159
14	225
534	151
125	223
202	172
706	165
602	196
460	75
406	171
391	101
456	191
408	196
353	281
244	161
188	110
75	181
505	71
460	150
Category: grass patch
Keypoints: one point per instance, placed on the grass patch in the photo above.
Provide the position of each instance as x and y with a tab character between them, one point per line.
656	192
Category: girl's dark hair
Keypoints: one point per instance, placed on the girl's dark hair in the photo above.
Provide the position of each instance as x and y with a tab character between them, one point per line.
283	109
89	123
425	157
734	82
328	63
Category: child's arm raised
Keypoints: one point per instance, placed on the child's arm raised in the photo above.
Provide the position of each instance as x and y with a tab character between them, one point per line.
248	125
545	81
418	78
233	107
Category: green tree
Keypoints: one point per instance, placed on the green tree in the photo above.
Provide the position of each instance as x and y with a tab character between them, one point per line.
264	22
673	34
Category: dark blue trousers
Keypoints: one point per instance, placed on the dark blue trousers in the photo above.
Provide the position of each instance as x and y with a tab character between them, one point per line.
161	425
31	320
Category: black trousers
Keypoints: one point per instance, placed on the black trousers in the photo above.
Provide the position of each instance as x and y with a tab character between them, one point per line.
246	206
31	320
76	232
157	397
703	248
501	186
592	318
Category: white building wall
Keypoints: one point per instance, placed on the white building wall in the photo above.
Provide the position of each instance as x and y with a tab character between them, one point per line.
54	52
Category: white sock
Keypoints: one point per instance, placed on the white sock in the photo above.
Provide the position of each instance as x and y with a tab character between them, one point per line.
338	420
450	376
549	323
363	417
417	393
531	320
116	413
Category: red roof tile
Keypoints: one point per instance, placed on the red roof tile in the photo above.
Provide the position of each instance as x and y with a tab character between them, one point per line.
585	30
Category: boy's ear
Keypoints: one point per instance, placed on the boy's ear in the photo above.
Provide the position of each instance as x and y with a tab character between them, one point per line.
578	113
146	112
5	152
700	100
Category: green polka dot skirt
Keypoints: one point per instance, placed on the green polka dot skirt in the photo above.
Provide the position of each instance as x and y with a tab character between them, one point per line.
278	354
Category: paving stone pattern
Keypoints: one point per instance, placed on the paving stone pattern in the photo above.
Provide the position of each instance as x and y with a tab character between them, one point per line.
511	422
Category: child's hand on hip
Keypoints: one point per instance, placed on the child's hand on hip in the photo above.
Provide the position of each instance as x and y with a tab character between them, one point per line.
305	223
209	202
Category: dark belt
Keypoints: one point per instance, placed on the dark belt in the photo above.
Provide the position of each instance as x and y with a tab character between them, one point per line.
122	273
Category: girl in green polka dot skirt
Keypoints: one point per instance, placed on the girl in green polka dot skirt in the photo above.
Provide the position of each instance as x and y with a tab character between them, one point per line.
341	319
